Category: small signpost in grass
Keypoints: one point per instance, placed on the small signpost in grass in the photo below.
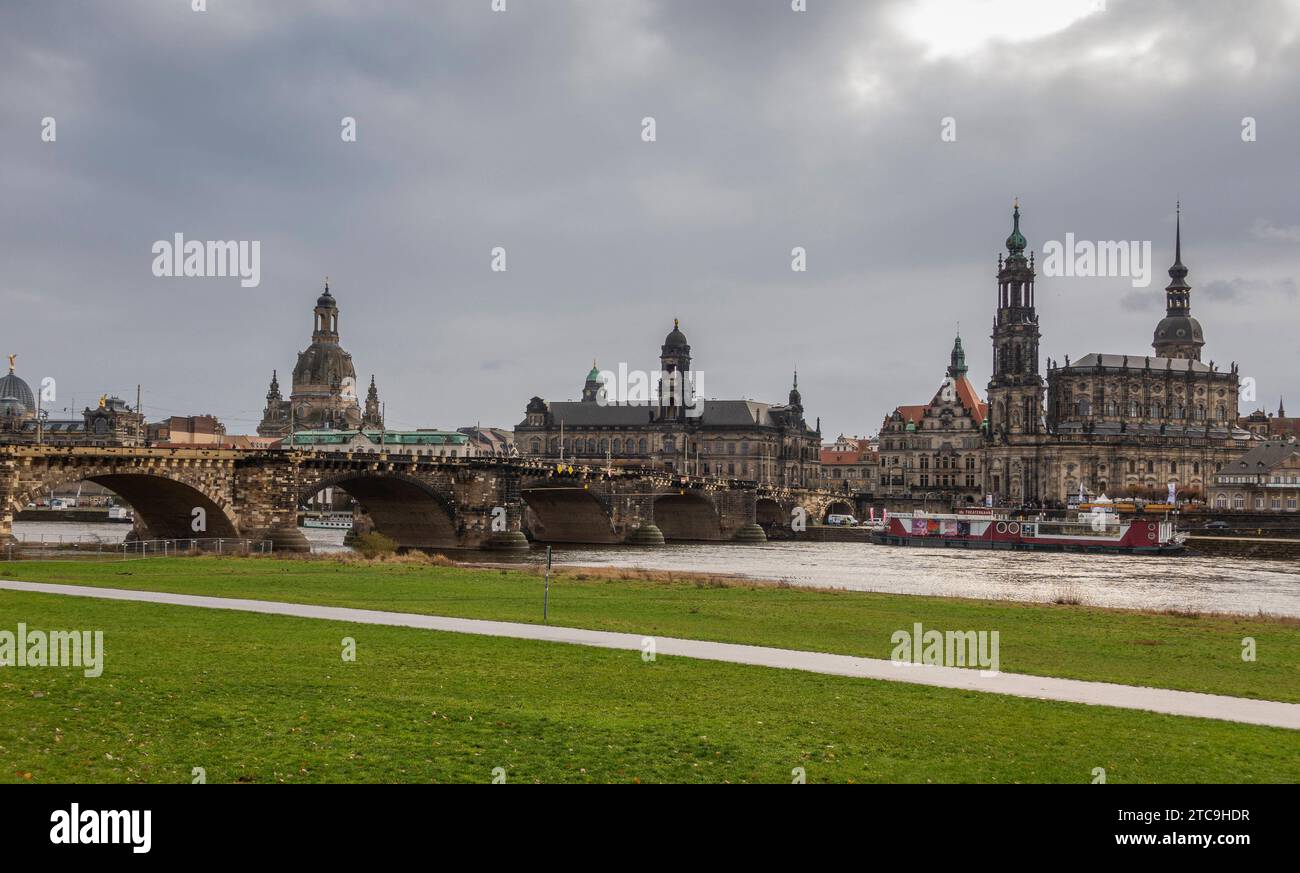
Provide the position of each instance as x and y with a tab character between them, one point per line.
546	592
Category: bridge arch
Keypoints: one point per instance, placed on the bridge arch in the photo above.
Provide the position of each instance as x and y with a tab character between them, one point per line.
164	502
687	517
568	514
403	508
769	514
837	507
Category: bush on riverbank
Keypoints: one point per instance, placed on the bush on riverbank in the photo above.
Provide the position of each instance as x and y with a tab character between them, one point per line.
375	545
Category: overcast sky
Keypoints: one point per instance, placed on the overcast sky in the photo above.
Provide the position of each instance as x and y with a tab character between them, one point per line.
523	129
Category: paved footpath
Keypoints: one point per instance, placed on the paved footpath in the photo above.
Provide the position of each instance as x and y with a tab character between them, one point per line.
1188	703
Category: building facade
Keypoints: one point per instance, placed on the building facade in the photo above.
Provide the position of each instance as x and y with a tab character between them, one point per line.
937	449
677	431
850	465
323	395
1264	479
188	430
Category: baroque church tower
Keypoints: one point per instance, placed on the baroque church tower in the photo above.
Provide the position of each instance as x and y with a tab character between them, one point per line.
373	418
1016	388
324	390
1178	335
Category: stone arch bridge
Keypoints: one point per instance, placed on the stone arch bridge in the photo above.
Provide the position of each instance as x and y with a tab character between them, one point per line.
466	503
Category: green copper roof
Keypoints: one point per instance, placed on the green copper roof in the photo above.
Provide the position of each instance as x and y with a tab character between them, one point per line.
957	361
1016	242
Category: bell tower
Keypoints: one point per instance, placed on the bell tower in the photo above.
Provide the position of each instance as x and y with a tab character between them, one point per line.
1015	393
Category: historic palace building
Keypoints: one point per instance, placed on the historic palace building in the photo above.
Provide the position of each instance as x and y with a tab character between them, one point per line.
742	439
937	448
1106	423
111	423
324	391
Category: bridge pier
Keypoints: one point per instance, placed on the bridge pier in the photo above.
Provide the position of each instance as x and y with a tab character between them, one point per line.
8	485
267	495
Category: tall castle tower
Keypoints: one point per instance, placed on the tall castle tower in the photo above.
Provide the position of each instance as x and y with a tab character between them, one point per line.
675	374
1016	387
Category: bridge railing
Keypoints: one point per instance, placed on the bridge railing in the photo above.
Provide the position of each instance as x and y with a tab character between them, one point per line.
98	550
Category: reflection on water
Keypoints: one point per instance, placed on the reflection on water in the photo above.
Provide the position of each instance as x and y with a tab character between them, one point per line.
71	531
1205	584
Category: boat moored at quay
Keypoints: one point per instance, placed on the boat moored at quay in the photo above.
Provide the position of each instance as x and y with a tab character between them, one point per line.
1092	531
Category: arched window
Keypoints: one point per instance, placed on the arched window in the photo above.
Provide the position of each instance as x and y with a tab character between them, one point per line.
618	447
644	446
1133	409
536	445
670	444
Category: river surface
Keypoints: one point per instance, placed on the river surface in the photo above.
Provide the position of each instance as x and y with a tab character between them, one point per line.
1202	584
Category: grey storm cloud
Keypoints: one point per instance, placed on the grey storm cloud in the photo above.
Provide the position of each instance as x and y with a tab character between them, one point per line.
522	129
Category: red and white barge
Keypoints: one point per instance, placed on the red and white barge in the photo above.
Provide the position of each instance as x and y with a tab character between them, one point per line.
1095	531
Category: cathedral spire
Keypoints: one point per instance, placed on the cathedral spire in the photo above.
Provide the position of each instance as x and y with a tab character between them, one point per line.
1178	335
1178	292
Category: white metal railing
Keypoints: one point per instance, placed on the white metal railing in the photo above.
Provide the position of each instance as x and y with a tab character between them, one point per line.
63	550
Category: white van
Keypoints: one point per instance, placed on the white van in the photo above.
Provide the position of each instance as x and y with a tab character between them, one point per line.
842	520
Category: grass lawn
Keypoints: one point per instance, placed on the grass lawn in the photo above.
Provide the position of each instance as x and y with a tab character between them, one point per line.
1187	652
259	698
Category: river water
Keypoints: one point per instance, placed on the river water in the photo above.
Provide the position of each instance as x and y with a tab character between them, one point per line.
1202	584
